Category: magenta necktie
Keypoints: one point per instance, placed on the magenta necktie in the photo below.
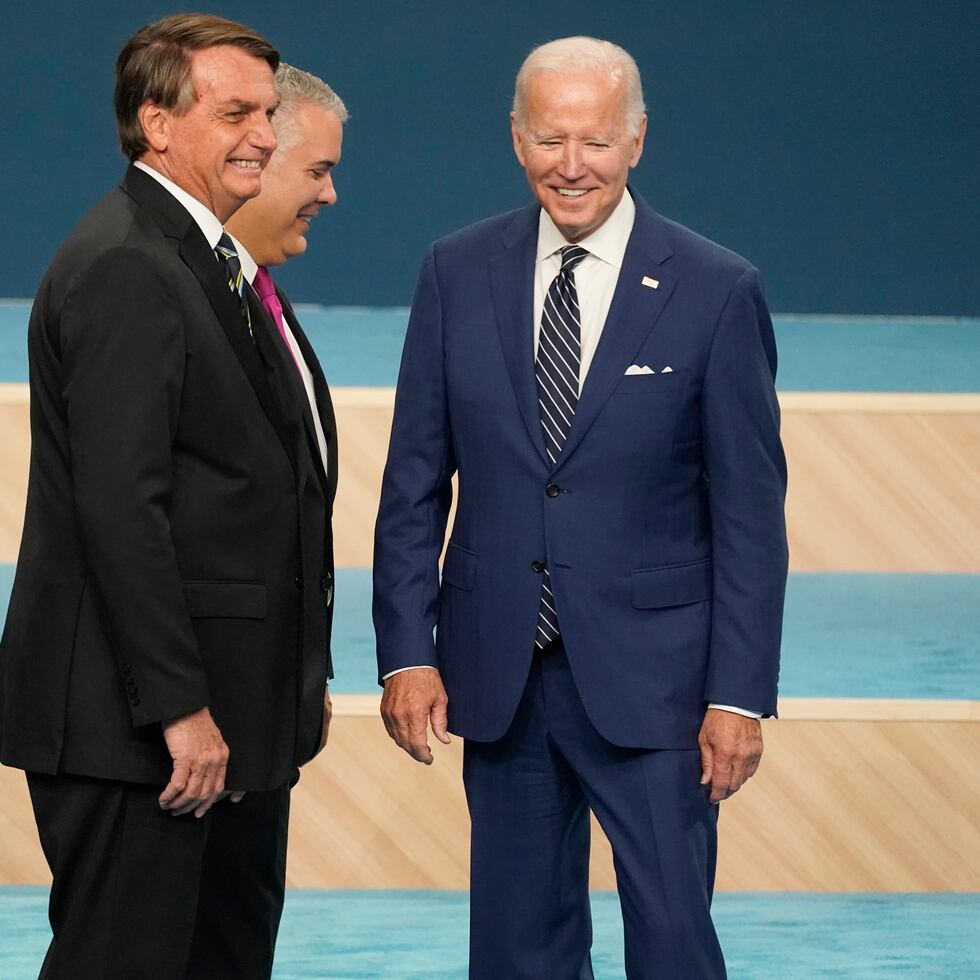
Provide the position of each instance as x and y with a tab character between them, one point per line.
266	289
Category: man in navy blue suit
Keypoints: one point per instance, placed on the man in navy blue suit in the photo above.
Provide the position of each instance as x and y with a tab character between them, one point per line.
601	381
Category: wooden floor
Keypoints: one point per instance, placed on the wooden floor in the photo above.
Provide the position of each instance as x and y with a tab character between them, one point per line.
852	795
838	805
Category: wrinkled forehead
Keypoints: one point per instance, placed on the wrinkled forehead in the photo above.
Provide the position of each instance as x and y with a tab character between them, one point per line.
225	72
579	93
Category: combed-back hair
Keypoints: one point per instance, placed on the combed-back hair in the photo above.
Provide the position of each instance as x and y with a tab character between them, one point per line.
296	87
583	54
155	66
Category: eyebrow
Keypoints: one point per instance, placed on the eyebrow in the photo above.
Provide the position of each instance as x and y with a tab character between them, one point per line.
239	104
323	164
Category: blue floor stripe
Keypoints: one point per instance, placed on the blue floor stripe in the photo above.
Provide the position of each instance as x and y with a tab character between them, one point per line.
881	636
408	935
362	347
845	635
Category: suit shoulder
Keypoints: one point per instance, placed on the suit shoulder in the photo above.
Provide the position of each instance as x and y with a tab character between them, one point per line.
692	248
481	235
112	228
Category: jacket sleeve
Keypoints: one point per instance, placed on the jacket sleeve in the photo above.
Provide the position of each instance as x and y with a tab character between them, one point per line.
416	491
122	352
746	474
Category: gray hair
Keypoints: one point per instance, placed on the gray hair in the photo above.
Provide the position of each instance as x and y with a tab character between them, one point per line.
583	54
296	87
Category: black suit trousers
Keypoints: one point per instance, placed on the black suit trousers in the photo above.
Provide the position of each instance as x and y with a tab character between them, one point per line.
139	894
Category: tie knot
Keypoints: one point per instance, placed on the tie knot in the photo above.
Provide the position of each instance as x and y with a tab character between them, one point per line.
571	255
263	284
226	247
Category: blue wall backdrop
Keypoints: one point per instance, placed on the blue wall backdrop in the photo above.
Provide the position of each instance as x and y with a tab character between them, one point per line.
834	144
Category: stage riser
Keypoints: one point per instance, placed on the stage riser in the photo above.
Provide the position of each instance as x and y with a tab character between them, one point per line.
888	491
837	806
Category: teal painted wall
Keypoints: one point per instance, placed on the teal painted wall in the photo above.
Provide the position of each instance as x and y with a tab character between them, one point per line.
835	144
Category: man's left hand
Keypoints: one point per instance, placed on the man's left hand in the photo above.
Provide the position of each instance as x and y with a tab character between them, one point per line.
327	715
731	747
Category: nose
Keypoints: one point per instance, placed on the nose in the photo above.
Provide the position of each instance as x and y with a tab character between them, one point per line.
263	136
328	193
571	164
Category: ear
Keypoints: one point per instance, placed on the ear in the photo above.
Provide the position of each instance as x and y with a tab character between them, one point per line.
518	140
155	121
638	142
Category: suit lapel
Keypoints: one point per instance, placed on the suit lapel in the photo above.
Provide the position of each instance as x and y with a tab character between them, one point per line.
512	286
324	403
633	312
176	223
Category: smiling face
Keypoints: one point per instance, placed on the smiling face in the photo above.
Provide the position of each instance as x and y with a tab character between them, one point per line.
297	183
576	148
217	149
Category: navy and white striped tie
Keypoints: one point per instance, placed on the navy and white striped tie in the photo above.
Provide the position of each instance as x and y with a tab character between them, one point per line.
557	371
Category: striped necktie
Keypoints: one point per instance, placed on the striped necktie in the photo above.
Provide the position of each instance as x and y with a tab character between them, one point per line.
232	271
557	371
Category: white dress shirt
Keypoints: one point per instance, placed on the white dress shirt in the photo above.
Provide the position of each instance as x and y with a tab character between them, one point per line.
595	276
212	229
595	282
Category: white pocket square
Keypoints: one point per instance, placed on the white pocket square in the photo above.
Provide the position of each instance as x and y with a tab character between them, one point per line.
667	370
636	369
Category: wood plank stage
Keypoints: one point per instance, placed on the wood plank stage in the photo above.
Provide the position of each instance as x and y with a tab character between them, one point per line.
878	483
852	795
837	805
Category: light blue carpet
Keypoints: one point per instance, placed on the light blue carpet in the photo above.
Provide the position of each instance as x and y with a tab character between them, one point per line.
361	346
856	636
421	935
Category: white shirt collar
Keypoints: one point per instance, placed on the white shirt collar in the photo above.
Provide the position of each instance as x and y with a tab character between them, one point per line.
249	265
209	224
607	242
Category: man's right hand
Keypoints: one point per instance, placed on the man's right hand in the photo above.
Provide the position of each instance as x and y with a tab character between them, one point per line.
413	700
200	761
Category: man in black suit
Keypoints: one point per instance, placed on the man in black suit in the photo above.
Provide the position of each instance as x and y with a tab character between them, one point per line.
170	618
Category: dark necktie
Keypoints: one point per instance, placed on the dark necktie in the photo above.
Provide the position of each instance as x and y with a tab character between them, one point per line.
231	268
557	369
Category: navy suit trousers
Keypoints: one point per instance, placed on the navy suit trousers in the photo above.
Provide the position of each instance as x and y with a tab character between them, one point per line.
530	794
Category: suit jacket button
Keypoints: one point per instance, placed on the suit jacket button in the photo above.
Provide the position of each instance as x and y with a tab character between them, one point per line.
537	566
298	582
325	582
551	490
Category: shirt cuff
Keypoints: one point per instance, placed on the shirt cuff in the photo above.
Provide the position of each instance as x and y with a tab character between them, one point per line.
733	710
400	670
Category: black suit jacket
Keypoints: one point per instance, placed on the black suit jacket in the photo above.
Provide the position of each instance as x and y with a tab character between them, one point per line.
176	549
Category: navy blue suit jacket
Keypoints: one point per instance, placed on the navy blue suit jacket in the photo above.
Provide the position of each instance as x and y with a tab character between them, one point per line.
666	543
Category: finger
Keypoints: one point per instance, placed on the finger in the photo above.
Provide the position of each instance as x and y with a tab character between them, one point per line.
212	784
175	787
191	794
439	719
237	796
418	744
720	784
707	765
205	806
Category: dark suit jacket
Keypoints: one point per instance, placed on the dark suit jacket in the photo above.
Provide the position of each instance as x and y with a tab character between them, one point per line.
663	528
176	549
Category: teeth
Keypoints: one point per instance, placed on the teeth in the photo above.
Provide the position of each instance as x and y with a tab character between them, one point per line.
246	164
568	192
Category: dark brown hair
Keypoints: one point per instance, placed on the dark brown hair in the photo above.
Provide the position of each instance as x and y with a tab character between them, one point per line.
154	66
